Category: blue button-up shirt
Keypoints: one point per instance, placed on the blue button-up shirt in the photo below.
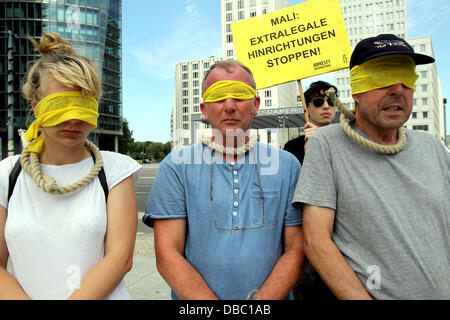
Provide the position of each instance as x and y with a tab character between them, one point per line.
235	217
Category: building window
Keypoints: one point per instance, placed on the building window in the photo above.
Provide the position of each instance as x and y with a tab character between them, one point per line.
185	93
228	6
184	67
185	118
195	75
425	114
252	13
424	87
195	92
196	108
184	76
414	115
195	66
229	17
414	101
195	83
422	47
185	109
206	65
267	93
423	74
229	38
268	103
421	127
424	101
240	4
185	101
184	84
240	15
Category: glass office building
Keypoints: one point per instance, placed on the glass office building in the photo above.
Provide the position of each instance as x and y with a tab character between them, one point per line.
93	27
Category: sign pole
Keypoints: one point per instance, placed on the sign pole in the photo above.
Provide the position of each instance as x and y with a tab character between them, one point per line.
302	96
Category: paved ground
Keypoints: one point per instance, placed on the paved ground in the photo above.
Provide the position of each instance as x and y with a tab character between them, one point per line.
143	281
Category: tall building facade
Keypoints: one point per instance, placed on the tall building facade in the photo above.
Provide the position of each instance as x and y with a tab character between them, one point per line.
368	18
428	103
93	27
187	99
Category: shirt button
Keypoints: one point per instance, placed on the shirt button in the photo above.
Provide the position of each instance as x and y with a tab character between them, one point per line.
236	203
236	180
235	213
236	190
235	172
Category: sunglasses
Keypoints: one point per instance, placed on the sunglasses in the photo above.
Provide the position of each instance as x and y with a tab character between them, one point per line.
318	102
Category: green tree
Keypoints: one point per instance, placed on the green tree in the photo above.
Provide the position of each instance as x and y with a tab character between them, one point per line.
126	140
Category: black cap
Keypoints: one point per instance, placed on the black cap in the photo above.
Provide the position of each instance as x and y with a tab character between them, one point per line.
385	44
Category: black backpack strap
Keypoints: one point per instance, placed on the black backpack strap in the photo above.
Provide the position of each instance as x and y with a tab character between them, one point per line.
13	177
102	178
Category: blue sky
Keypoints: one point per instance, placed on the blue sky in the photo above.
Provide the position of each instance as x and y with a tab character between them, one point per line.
156	35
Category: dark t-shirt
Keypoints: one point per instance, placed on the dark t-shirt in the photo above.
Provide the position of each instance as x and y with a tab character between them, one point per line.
296	146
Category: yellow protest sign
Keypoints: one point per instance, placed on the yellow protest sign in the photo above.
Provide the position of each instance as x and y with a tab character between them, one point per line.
294	43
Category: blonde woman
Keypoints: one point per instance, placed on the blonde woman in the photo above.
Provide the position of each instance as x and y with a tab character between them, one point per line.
66	237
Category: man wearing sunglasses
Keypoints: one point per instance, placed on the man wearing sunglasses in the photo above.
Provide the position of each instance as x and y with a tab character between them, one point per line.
321	112
376	195
224	225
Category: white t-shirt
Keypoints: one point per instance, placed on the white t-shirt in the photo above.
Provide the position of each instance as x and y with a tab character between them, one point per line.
55	240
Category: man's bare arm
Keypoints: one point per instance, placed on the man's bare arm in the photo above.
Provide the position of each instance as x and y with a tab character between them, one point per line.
185	281
326	257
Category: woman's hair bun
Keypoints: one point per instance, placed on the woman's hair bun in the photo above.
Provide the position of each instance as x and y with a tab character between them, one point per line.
52	43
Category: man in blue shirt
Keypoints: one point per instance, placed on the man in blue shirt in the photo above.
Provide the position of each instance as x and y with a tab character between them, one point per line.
221	209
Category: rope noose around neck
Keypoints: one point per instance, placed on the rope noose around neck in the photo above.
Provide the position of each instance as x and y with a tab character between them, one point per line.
348	116
231	150
31	164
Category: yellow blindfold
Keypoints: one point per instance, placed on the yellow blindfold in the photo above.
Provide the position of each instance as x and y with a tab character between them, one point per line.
58	108
382	72
222	90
